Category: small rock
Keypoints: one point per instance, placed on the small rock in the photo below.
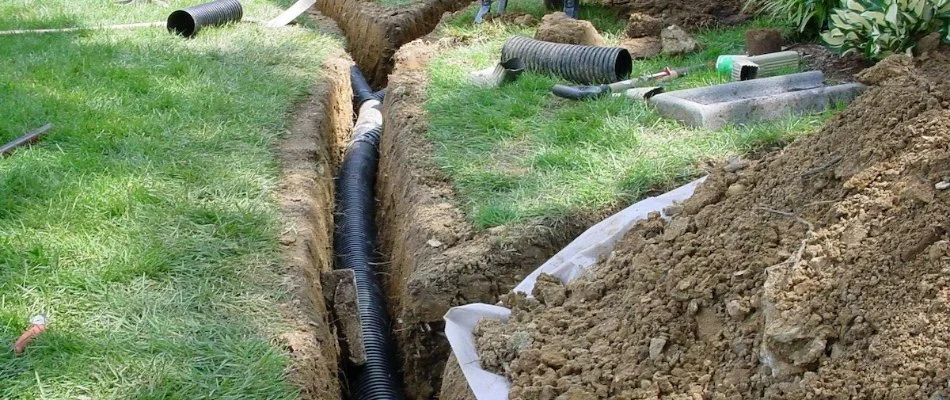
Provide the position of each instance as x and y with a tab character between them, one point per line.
287	240
684	284
642	25
692	308
549	290
640	48
676	227
672	210
735	164
559	28
942	185
676	41
656	347
554	296
553	359
735	189
663	384
735	310
434	243
592	291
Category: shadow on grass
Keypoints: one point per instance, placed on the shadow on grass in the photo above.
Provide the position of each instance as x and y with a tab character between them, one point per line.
142	224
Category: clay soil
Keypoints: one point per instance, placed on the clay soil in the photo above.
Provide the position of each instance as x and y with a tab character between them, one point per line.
308	158
822	271
374	32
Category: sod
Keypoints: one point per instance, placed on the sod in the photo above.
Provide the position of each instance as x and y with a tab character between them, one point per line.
518	152
144	224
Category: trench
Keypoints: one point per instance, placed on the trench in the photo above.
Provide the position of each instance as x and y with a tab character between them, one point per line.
374	33
309	156
415	206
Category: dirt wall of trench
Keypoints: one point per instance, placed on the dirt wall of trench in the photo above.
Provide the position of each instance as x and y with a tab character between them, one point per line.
374	33
309	156
435	258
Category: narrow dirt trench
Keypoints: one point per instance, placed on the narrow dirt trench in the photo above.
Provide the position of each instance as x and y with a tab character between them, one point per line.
415	204
374	33
308	157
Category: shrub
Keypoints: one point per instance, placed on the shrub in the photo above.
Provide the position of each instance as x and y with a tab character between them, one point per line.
878	28
807	16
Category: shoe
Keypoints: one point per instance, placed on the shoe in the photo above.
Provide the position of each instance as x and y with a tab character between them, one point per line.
483	11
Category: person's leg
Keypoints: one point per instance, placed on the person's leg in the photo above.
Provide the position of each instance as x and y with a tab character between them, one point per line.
483	11
572	8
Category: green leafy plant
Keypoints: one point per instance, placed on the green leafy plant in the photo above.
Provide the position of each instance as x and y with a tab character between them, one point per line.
878	28
807	16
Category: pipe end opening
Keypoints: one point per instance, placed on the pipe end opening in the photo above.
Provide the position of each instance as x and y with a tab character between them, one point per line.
623	65
181	23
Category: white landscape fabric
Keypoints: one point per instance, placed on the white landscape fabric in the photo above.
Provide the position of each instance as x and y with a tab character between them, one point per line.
568	264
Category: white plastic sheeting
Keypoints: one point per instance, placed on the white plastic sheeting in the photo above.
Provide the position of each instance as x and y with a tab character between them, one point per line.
568	264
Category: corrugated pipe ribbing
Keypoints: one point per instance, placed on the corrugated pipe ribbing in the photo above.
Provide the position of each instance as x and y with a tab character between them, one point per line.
187	22
355	246
581	64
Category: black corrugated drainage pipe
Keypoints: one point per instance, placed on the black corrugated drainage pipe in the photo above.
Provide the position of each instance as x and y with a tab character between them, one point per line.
355	244
189	21
581	64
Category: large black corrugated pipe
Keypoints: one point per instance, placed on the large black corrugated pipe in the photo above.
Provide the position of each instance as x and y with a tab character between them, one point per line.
355	242
187	22
581	64
361	89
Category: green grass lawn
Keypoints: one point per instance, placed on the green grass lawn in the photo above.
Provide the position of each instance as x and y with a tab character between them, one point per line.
144	223
519	152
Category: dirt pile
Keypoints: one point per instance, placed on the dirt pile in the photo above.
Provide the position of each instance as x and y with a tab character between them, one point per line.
819	272
642	25
557	27
686	13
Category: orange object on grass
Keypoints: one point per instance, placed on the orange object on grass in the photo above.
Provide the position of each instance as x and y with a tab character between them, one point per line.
37	326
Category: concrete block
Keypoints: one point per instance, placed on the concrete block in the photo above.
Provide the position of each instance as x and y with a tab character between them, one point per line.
766	99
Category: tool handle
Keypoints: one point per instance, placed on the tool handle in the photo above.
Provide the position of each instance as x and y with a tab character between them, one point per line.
580	92
27	138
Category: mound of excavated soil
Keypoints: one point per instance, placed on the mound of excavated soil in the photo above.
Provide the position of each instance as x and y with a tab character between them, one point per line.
819	272
686	13
557	27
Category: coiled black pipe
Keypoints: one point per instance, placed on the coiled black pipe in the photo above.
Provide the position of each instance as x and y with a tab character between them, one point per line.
355	242
187	22
581	64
